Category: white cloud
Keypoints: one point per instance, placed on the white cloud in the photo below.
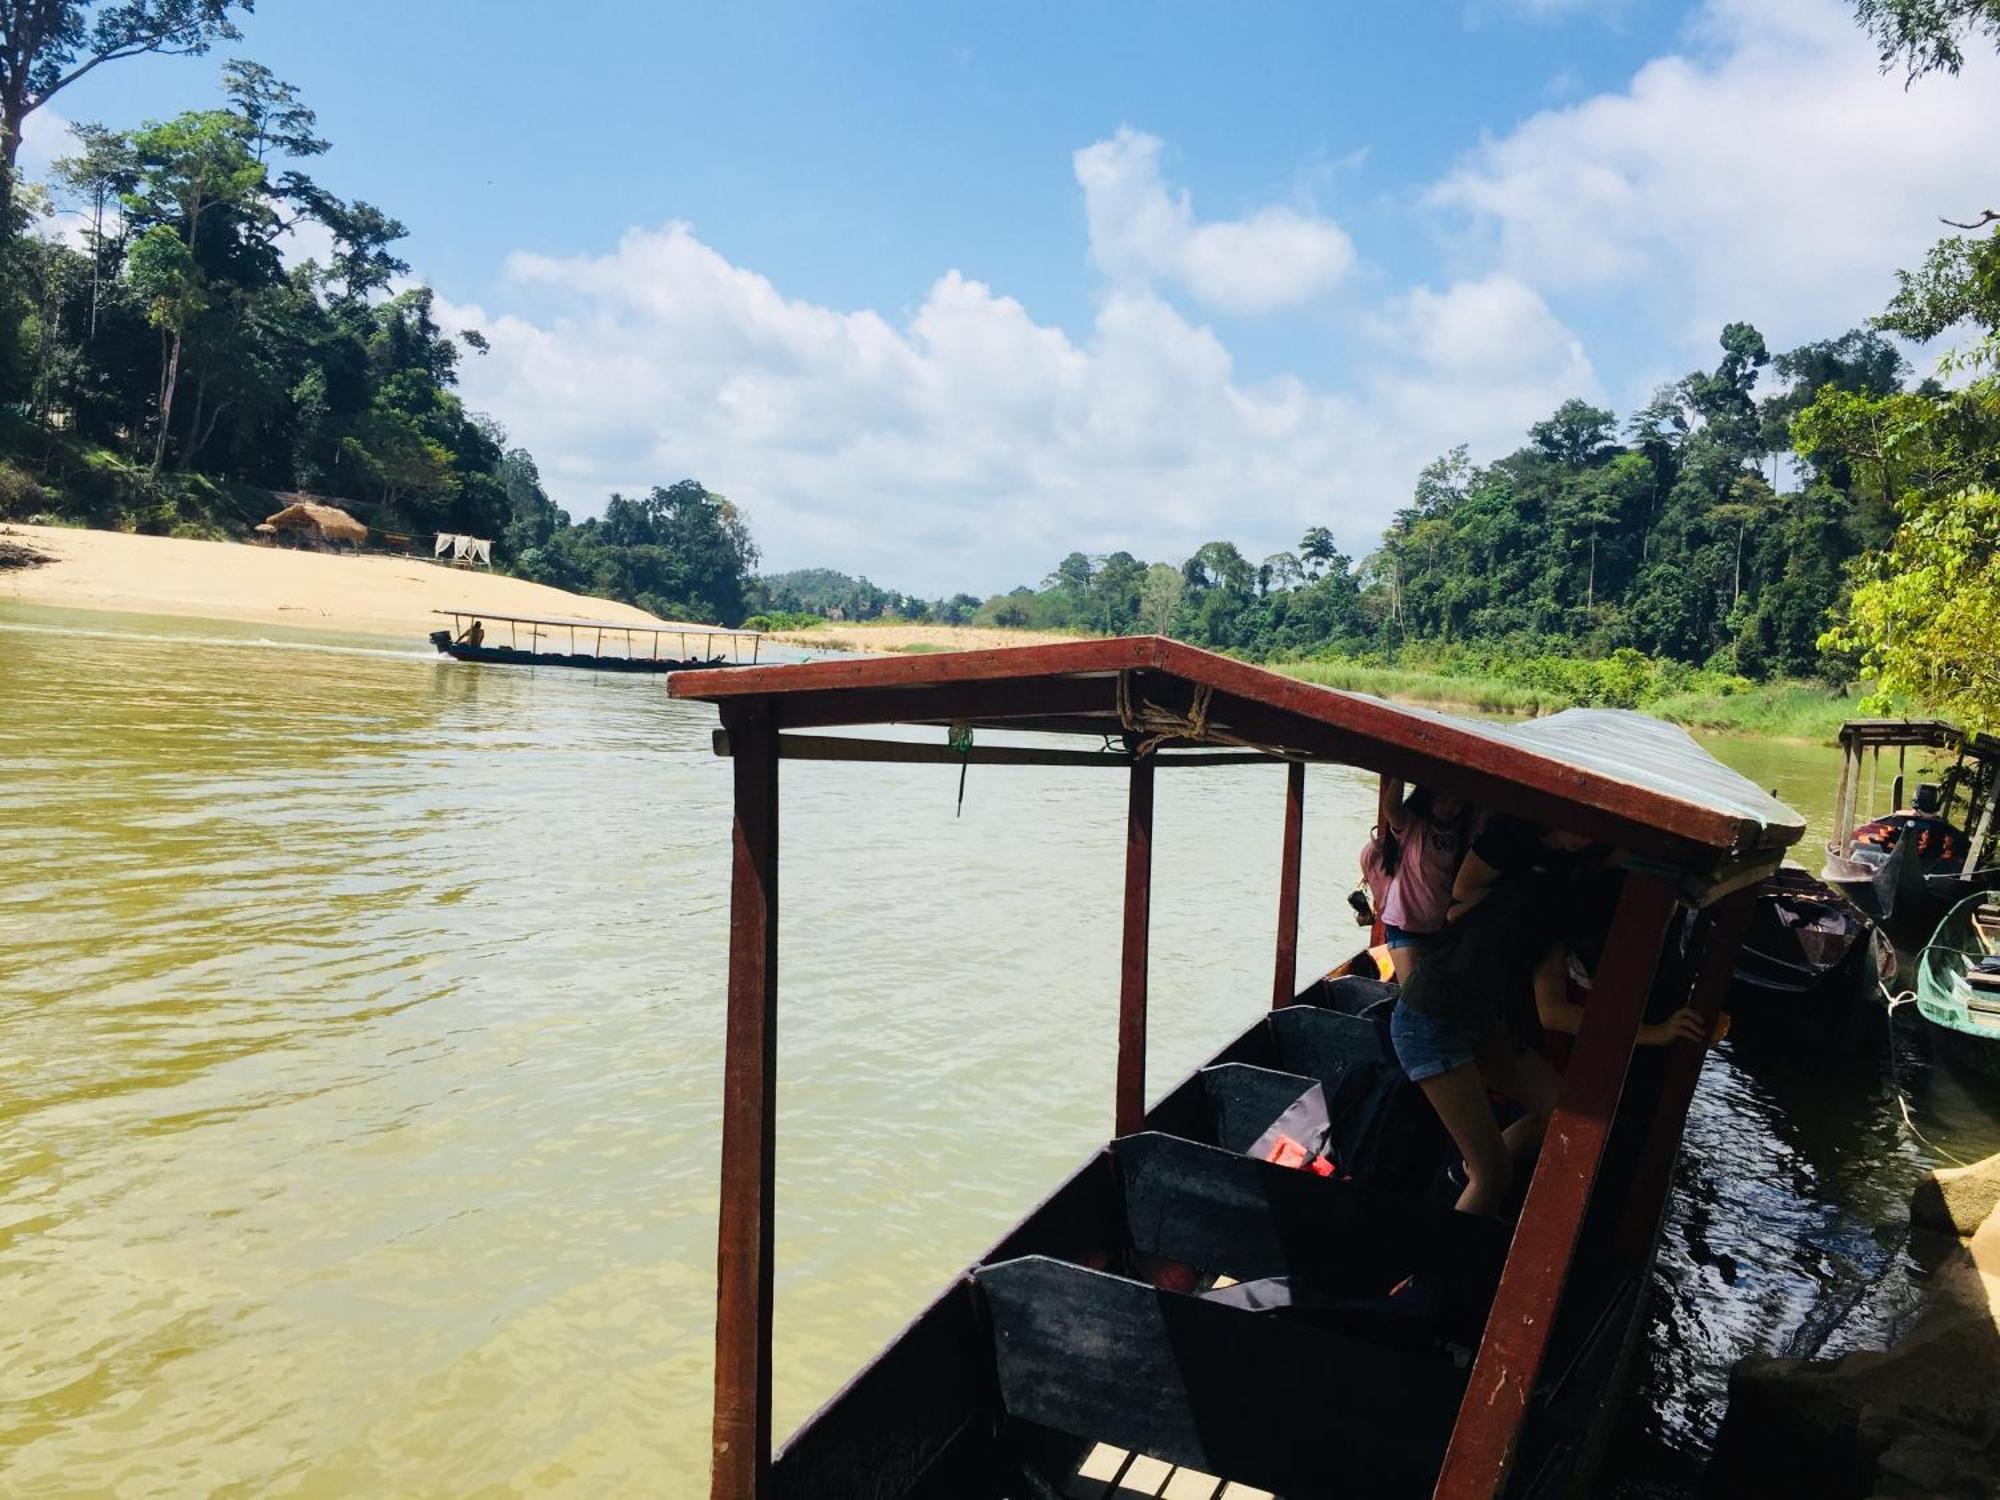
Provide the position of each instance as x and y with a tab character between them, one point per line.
1489	352
971	446
1141	232
45	137
1770	172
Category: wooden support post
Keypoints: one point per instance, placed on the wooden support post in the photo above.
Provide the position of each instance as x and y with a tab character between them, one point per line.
1285	982
1131	1098
1717	941
1977	847
1476	1464
741	1456
1843	803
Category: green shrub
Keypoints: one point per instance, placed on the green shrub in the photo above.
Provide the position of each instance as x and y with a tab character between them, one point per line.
20	496
783	619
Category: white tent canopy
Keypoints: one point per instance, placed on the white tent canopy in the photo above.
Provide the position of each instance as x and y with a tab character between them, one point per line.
465	549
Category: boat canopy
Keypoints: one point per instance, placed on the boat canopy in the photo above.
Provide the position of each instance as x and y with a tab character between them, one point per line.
1939	734
1612	774
559	622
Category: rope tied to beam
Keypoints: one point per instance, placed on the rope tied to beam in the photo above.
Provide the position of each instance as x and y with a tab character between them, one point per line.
1153	725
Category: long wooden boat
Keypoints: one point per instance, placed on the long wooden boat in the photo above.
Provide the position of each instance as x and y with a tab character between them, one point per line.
1373	1343
1958	981
635	648
1809	966
1904	887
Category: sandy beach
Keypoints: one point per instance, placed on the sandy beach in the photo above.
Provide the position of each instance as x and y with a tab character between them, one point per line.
874	638
363	595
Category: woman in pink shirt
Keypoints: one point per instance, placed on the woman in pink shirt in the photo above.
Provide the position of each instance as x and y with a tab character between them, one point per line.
1432	834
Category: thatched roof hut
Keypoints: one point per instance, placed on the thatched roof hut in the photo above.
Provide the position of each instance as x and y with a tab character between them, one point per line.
317	521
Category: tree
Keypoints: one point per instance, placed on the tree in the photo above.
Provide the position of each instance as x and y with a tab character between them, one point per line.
101	175
46	45
1925	35
1921	619
274	117
1316	550
1160	598
1958	283
1750	500
186	168
1577	436
1286	571
164	274
1722	398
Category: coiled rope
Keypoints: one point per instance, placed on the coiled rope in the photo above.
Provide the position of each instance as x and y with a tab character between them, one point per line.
1153	725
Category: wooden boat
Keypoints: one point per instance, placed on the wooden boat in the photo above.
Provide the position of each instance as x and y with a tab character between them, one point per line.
1401	1348
1904	887
1954	992
1809	965
686	646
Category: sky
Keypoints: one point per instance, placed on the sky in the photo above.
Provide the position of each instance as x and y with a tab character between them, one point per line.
938	292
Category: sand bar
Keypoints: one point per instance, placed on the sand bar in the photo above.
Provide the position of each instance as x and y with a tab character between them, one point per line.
360	595
878	638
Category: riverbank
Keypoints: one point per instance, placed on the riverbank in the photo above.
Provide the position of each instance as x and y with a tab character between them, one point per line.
900	637
123	573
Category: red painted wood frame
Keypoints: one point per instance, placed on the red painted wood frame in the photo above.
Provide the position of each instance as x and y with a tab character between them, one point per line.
1483	1441
1722	932
741	1458
1130	1099
1285	981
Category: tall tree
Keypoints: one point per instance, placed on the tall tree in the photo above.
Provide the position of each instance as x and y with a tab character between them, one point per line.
1577	436
46	45
101	174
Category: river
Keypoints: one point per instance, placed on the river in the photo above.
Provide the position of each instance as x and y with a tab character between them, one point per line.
362	1025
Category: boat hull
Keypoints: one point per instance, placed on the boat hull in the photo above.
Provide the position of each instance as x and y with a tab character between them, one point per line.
508	656
1906	900
1963	1017
1088	1324
1809	967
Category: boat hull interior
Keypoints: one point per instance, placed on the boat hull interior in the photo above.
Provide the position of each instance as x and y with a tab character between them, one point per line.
1088	1345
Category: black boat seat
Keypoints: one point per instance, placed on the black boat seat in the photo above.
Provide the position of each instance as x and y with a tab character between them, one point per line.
1352	995
1385	1132
1298	1411
1180	1213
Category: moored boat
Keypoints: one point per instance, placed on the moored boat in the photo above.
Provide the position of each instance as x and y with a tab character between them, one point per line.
1906	866
635	648
1809	966
1958	981
1251	1290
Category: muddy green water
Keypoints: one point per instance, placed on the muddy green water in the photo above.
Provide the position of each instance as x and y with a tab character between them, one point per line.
360	1061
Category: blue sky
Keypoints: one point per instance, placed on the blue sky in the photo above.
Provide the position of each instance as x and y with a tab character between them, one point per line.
937	291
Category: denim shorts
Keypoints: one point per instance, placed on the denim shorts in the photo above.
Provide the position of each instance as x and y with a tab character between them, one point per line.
1428	1045
1402	937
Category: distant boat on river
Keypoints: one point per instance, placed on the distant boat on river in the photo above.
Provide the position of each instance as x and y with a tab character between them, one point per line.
685	646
